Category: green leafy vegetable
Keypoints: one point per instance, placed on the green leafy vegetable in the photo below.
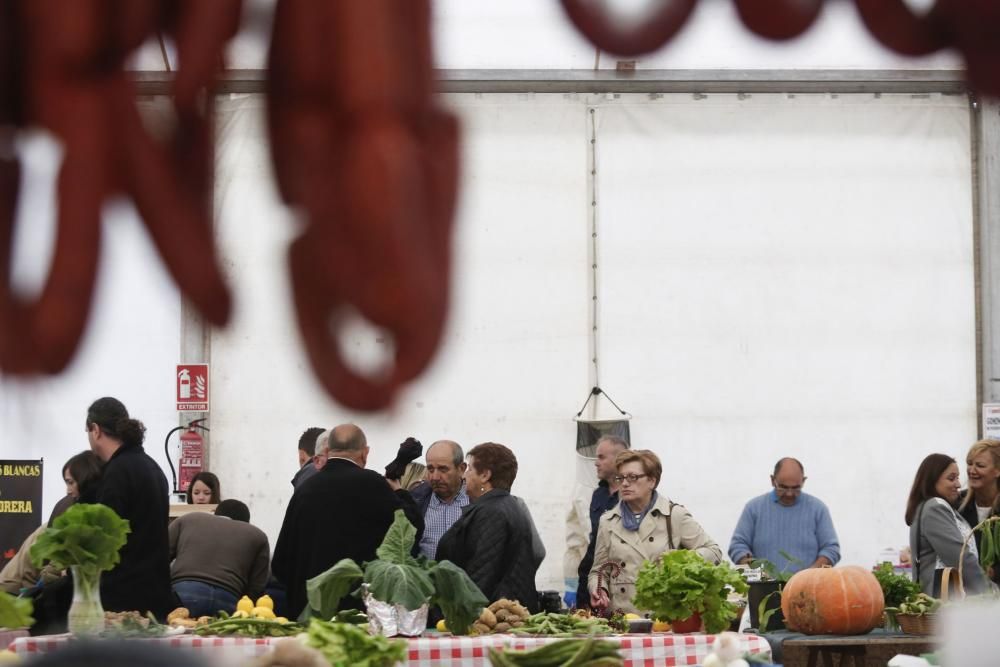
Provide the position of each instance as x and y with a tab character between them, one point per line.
15	612
682	583
88	536
408	585
347	645
460	599
325	590
396	577
896	588
398	542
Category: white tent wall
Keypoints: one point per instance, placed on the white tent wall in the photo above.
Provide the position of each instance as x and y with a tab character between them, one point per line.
789	276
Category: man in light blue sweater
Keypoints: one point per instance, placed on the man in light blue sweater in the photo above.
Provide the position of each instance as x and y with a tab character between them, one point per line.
785	519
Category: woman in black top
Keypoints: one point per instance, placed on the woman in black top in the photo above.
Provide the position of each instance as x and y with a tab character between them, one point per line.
492	541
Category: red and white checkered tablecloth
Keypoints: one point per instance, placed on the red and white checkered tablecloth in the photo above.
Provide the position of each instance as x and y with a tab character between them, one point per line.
657	650
231	646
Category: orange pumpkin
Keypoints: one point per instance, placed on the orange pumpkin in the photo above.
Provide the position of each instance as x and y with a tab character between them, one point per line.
833	601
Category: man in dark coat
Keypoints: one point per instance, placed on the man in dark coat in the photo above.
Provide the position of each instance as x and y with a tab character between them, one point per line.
605	497
343	511
134	486
307	451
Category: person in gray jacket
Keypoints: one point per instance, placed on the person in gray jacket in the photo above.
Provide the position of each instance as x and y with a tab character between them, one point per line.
937	531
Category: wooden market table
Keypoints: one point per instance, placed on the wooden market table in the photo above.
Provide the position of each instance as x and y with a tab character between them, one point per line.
659	649
870	650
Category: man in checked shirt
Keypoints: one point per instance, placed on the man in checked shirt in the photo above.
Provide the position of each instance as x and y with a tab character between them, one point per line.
441	498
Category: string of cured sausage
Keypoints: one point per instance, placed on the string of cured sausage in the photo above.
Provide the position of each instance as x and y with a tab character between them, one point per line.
972	27
70	80
362	149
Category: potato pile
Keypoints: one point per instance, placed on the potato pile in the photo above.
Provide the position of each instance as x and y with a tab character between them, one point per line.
501	616
181	618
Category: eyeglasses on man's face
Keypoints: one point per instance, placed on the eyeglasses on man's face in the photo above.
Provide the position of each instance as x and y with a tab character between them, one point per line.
788	489
631	478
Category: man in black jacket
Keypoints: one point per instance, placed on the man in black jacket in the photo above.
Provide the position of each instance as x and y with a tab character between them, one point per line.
604	498
343	511
134	486
307	450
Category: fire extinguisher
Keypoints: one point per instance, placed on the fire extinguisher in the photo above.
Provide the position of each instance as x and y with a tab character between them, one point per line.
191	456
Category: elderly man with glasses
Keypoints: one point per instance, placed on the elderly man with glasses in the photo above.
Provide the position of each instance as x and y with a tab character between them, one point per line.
786	521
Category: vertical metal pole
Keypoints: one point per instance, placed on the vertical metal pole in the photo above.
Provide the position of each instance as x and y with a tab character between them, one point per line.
595	375
987	191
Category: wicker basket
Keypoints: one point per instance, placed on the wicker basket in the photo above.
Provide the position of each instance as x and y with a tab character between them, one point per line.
917	624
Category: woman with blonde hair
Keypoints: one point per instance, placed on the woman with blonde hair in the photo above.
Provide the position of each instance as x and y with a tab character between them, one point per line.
643	526
982	498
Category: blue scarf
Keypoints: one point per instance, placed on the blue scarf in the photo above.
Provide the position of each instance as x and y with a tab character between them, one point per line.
629	520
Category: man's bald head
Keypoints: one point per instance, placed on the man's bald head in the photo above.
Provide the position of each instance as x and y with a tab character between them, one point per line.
348	441
453	449
445	467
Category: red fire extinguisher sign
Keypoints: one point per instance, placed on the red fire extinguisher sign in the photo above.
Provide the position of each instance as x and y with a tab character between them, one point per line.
192	387
192	453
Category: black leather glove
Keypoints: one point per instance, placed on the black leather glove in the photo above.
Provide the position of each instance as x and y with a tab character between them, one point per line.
410	450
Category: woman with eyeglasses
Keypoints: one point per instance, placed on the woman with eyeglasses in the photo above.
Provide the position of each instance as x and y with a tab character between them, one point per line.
644	526
937	531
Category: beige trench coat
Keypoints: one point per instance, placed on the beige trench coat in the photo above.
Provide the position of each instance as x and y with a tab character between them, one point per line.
629	549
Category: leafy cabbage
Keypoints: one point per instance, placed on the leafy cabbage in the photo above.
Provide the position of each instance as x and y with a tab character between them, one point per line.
397	577
681	583
85	535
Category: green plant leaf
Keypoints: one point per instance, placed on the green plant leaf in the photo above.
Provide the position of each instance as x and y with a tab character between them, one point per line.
771	570
408	585
460	599
896	588
763	613
15	612
397	544
346	644
325	591
90	536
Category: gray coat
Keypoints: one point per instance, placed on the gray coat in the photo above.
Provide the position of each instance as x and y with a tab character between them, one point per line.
942	531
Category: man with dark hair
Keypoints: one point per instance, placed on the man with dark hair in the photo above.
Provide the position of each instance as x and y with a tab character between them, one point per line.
134	486
786	520
307	450
341	512
217	558
605	497
233	509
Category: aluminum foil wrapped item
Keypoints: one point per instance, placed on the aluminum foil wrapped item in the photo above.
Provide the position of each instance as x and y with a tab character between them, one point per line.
390	620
